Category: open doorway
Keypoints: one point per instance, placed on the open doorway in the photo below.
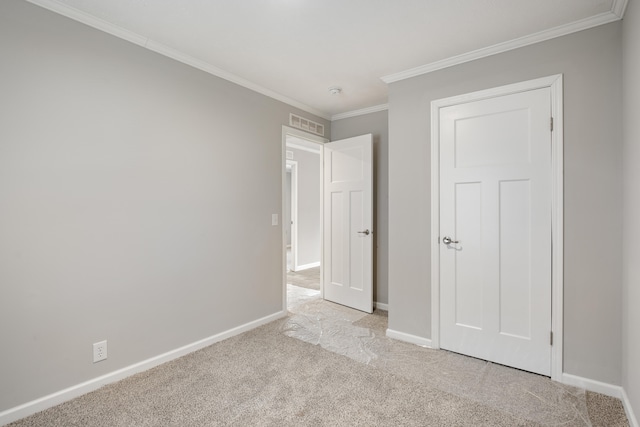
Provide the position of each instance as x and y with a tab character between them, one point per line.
302	213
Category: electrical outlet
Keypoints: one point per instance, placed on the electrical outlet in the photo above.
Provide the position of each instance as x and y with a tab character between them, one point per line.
99	351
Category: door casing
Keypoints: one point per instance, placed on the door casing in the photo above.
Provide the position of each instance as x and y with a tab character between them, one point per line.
293	217
554	83
319	141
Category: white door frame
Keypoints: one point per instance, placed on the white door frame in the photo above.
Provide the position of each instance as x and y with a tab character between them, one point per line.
313	139
294	213
554	83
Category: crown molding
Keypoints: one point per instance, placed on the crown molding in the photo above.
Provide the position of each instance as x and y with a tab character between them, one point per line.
164	50
616	13
361	112
619	7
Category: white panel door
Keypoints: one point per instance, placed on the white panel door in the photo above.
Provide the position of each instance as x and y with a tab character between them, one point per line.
348	221
495	229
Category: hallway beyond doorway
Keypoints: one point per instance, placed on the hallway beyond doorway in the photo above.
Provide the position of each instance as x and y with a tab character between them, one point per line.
309	278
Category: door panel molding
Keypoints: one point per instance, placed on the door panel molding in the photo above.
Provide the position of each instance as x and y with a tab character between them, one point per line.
348	221
554	83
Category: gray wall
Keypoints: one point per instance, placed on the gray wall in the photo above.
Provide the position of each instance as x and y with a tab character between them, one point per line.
591	62
309	227
631	223
136	196
376	124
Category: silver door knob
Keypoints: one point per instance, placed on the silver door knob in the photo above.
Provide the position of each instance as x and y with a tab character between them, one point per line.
365	232
447	240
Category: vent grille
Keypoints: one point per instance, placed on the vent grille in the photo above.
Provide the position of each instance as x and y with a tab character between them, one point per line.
289	155
306	124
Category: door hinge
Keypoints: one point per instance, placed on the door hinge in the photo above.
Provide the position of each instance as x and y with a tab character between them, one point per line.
551	124
551	338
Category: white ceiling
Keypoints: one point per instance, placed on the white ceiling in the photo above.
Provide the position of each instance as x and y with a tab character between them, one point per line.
294	50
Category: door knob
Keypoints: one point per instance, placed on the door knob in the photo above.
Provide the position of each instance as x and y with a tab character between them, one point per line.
365	232
447	240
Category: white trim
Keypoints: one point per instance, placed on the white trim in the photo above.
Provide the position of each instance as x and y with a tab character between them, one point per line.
435	225
322	260
164	50
304	148
381	306
603	388
308	266
592	385
294	213
557	227
539	83
619	7
361	112
300	134
615	14
631	416
283	207
311	139
92	21
413	339
69	393
554	83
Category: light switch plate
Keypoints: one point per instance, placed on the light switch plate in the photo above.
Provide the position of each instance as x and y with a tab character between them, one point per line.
274	219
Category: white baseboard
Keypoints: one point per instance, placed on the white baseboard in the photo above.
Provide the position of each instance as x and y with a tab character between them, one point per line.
381	306
308	266
29	408
633	421
603	388
592	385
413	339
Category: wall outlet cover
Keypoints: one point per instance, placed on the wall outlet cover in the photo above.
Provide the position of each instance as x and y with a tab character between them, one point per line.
99	351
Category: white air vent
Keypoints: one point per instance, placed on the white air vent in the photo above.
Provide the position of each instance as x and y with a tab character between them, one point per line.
306	124
289	155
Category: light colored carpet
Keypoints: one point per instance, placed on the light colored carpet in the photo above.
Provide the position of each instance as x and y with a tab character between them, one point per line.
526	396
309	278
328	365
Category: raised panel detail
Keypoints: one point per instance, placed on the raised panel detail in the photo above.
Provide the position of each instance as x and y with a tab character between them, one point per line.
337	244
347	263
356	247
346	165
495	199
468	262
515	258
492	139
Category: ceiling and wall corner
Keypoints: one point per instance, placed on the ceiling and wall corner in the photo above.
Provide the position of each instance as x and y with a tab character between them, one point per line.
251	43
361	112
614	14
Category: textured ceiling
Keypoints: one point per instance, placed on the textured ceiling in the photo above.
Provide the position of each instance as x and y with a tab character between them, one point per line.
294	50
